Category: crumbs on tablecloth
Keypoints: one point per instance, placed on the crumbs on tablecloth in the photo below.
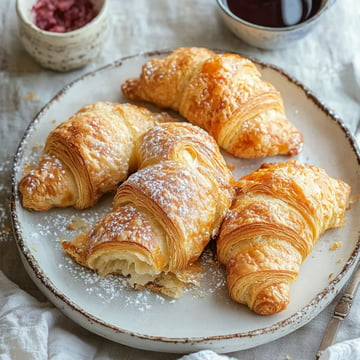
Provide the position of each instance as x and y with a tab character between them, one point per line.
31	96
335	245
340	260
330	275
6	229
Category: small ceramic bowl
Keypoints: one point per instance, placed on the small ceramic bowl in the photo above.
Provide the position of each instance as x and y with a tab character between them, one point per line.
62	51
269	37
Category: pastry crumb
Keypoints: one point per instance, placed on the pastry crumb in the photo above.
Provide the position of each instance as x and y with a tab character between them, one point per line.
330	275
336	245
354	199
78	224
31	96
230	166
6	229
214	263
340	260
36	147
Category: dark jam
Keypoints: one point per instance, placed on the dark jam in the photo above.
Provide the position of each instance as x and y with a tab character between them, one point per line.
274	13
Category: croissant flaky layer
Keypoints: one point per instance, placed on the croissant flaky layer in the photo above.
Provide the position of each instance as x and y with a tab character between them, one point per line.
277	216
222	93
87	156
163	215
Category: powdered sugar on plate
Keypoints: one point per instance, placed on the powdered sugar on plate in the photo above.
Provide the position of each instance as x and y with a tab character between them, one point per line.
53	228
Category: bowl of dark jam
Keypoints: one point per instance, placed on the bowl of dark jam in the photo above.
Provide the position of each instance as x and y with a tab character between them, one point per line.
272	24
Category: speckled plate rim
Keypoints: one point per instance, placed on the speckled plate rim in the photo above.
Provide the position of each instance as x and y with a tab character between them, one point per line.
57	297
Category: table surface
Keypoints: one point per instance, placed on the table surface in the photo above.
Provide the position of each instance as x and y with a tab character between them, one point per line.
323	62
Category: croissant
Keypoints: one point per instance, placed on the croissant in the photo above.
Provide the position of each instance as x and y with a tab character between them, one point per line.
277	216
87	155
222	93
164	215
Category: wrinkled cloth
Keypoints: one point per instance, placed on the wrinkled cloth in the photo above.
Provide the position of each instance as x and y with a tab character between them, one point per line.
30	329
326	62
206	355
349	349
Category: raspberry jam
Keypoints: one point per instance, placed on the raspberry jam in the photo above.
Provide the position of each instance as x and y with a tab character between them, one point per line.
63	15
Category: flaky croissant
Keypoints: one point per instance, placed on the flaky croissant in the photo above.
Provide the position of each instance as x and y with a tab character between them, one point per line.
87	156
277	216
163	215
222	93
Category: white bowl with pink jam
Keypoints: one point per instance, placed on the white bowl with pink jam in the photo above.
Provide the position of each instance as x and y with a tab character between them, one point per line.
62	37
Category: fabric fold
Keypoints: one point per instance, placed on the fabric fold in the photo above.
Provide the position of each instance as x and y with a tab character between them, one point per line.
35	330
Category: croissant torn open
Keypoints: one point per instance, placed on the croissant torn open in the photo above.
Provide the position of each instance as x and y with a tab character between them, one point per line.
163	215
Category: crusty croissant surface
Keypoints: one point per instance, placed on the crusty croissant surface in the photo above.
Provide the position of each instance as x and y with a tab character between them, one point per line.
277	216
87	156
163	215
222	93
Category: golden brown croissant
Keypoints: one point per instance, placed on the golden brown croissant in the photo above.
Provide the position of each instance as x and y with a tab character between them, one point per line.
222	93
277	216
87	156
163	215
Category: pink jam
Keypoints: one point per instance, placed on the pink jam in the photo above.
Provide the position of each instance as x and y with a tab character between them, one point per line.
63	15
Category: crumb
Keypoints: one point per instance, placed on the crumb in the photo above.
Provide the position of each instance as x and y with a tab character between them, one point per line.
330	275
36	147
214	263
230	166
336	245
53	121
354	199
6	229
78	224
340	260
31	96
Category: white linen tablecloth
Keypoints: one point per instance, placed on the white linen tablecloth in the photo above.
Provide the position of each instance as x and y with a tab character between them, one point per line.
325	61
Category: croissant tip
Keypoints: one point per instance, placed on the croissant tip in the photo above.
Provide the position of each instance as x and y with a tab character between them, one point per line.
268	308
296	150
271	300
130	89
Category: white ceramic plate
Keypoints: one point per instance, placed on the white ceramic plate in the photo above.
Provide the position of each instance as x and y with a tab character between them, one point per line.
205	318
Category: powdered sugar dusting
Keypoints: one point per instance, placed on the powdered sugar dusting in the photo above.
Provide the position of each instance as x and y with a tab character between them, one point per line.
213	278
53	227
